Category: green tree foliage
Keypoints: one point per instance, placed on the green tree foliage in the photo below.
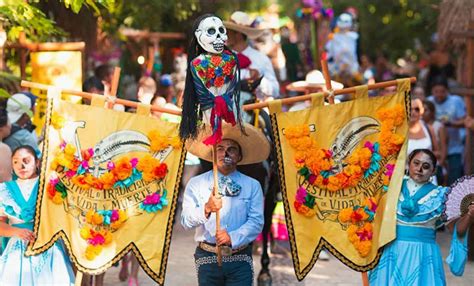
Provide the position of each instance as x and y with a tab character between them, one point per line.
388	26
18	16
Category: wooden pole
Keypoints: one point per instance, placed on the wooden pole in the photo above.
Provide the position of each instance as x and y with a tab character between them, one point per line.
365	279
246	107
327	79
349	90
216	194
115	82
114	87
89	96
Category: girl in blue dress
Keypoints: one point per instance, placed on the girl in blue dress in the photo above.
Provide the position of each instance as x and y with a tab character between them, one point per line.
17	210
414	258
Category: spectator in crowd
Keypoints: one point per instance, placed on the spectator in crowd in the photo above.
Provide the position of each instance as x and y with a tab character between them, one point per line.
19	114
5	152
440	135
239	31
146	89
93	85
166	88
451	111
420	135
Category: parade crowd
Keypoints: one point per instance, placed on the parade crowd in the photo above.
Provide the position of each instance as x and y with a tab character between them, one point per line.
272	65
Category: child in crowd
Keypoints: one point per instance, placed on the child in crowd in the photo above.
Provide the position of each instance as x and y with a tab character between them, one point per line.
17	211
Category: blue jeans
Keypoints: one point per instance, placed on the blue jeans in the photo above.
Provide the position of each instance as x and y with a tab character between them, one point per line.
236	270
455	168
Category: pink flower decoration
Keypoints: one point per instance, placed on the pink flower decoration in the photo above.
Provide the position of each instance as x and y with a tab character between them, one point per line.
301	194
369	145
134	162
364	235
90	151
390	168
85	165
97	239
54	181
152	199
197	62
312	178
115	215
373	206
63	145
70	173
110	165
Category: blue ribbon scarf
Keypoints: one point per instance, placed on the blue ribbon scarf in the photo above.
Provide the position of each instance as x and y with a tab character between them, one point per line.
410	206
27	208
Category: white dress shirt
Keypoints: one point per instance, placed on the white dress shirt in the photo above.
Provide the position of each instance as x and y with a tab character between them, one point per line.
241	215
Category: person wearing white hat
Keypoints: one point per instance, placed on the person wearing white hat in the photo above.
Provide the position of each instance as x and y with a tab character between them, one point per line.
239	31
314	82
240	202
19	112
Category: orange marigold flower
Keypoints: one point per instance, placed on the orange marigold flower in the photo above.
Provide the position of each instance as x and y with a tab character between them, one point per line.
364	247
89	216
107	237
69	149
92	251
146	163
57	121
107	180
123	168
57	199
85	232
344	215
97	219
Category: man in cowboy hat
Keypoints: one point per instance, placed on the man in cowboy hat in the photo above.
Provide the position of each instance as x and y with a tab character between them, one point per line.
239	31
240	202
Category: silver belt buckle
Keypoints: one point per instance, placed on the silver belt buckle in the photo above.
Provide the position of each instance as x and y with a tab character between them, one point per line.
225	250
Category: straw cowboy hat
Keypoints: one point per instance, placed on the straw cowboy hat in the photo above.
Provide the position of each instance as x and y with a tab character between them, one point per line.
255	147
314	79
241	22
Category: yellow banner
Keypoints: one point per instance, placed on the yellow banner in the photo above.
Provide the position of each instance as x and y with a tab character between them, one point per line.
62	69
341	168
109	184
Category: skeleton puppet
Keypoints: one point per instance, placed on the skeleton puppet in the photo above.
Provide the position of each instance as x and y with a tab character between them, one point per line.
342	49
212	91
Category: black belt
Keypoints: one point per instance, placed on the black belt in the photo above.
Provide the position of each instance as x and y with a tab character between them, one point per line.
225	250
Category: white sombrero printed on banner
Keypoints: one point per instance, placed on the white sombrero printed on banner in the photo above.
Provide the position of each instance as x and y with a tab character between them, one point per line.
314	79
255	147
241	22
460	196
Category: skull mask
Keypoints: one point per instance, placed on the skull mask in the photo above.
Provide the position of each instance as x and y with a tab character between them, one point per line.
211	35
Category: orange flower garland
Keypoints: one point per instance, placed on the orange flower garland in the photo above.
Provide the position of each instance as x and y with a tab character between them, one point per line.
316	166
358	220
98	232
122	172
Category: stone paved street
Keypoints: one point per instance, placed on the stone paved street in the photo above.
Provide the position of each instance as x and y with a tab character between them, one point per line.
181	267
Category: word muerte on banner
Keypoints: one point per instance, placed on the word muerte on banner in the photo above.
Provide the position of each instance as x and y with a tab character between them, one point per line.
109	184
341	168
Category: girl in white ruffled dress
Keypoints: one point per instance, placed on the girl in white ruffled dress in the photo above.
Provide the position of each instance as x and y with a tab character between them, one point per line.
17	211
